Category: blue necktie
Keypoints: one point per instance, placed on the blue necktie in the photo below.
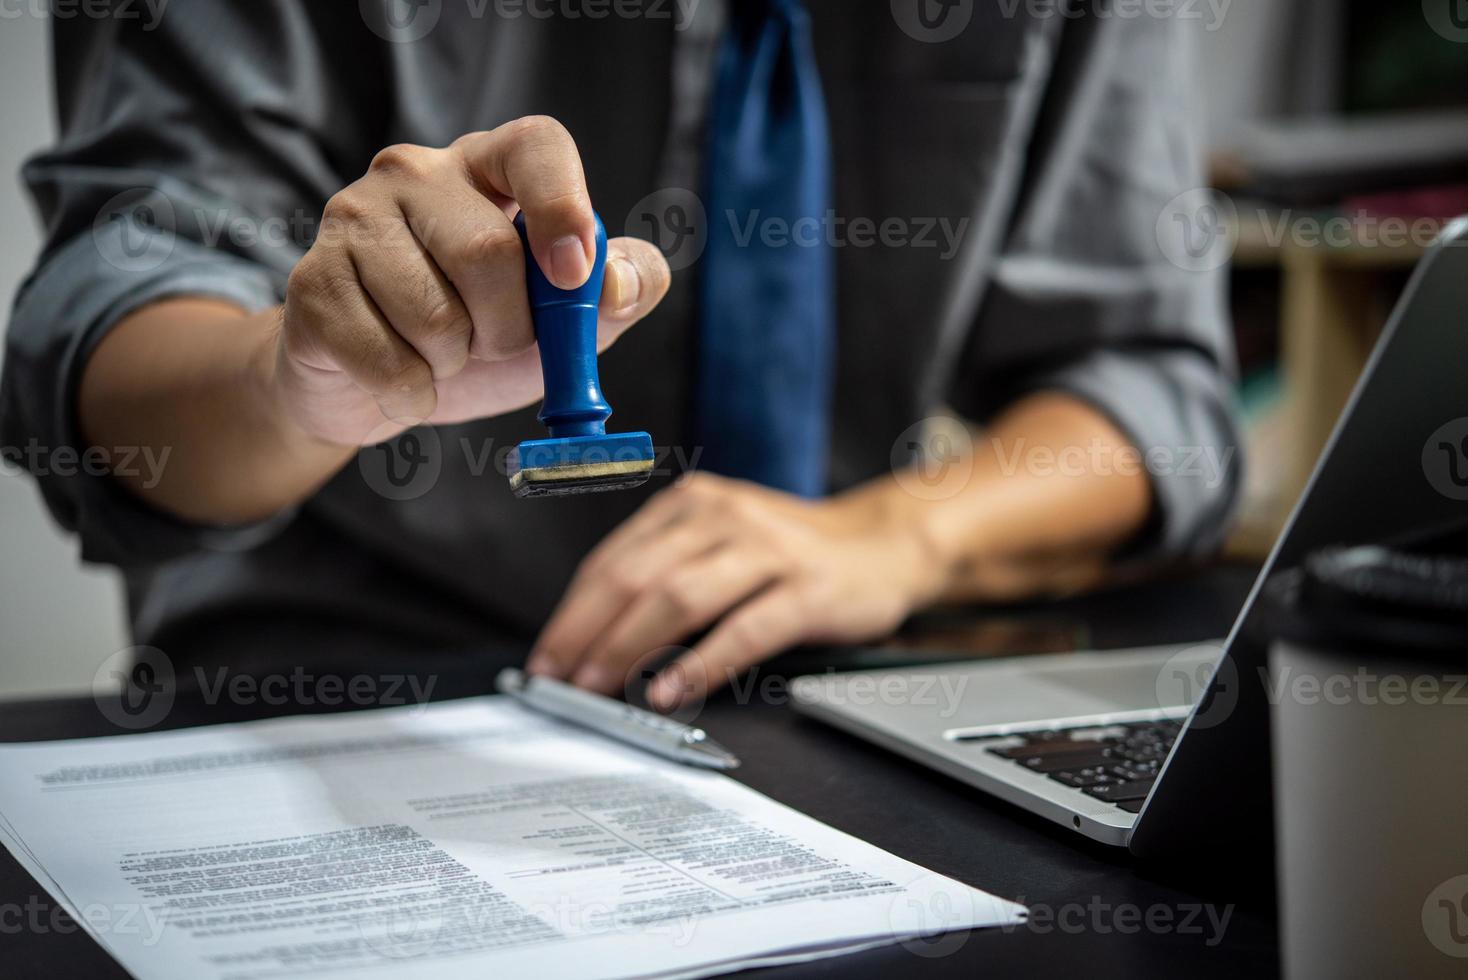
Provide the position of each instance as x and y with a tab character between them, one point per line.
767	334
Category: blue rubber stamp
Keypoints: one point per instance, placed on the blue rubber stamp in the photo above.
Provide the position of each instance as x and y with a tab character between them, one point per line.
580	456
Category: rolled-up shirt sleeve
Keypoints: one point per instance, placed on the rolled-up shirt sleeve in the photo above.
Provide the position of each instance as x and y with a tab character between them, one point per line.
185	167
1091	295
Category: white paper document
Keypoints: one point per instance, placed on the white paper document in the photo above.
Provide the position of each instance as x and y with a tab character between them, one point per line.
462	839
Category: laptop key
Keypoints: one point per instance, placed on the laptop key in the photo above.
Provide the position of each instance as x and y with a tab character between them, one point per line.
1131	806
1068	761
1131	771
1081	778
1062	746
1136	789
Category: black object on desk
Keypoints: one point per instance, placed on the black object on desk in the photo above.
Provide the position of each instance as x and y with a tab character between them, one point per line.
1094	913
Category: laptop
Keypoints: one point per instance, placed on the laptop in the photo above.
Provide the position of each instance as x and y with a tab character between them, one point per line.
1165	750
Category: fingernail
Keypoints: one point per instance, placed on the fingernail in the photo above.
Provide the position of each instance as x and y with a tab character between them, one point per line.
661	694
595	678
627	285
568	262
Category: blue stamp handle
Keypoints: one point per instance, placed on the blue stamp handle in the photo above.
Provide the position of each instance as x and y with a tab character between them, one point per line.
565	327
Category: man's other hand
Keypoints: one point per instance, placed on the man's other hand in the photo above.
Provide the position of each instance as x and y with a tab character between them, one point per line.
764	569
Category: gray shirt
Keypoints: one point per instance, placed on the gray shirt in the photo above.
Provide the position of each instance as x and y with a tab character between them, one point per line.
999	195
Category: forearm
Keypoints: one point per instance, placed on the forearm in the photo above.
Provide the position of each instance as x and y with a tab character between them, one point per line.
193	378
1054	489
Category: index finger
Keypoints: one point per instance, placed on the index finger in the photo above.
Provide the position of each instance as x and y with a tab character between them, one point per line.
534	162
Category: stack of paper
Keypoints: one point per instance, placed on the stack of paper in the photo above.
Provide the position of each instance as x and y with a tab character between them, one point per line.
468	838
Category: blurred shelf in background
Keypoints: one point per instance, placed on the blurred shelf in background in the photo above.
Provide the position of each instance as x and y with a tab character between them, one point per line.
1317	304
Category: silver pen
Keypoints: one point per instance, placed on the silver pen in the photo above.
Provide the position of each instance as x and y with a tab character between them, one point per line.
616	719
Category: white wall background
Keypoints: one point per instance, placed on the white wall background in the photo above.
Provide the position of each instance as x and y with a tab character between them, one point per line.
60	620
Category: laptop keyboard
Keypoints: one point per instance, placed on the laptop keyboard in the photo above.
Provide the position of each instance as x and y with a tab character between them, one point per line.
1114	763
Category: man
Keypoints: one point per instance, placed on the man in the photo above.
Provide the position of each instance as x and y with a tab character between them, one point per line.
989	243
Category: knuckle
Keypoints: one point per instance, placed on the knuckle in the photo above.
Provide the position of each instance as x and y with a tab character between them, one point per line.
539	128
444	324
591	573
403	160
590	567
503	341
681	593
810	596
320	284
305	275
698	484
566	206
744	634
347	206
491	246
625	578
744	509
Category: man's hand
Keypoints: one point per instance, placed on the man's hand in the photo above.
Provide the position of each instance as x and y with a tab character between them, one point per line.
411	306
771	570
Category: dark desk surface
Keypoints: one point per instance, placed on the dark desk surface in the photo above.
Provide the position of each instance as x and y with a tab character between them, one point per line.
1091	906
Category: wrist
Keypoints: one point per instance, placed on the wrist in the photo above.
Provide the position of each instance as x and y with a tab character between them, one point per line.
905	526
294	440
